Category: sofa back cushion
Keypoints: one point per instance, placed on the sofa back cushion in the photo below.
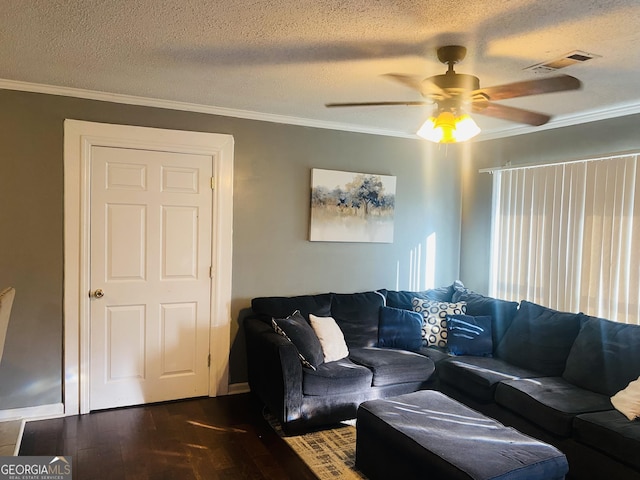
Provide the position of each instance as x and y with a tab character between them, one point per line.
281	307
402	298
357	316
501	312
540	339
605	357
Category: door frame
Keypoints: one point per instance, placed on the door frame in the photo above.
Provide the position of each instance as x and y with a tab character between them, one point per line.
79	138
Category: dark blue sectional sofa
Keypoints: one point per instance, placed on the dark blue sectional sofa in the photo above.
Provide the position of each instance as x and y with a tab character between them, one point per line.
551	374
302	398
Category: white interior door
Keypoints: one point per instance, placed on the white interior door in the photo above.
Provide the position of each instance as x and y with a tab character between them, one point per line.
150	249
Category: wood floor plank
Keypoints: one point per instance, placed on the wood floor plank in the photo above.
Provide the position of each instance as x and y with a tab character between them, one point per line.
223	438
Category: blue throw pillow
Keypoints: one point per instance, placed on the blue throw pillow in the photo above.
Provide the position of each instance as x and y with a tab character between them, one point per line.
469	335
400	329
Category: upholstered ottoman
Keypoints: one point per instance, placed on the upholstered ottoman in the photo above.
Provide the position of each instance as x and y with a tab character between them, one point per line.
426	434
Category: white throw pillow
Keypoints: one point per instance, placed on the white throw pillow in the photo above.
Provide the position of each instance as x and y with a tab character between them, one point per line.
627	401
331	338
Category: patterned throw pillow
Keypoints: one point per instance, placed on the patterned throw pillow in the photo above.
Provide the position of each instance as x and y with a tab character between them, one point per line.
434	324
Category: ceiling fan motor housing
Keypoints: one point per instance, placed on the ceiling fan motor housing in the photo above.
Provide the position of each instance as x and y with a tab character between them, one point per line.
456	82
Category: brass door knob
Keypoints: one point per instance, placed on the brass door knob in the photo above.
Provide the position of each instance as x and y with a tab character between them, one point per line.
98	293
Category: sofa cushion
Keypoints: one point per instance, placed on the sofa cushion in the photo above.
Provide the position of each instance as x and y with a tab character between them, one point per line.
434	323
280	307
296	329
357	315
478	376
501	312
539	339
399	329
469	335
336	378
627	401
550	402
434	353
330	336
611	433
605	356
390	367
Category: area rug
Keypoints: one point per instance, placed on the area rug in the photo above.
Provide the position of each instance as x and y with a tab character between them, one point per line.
10	437
328	453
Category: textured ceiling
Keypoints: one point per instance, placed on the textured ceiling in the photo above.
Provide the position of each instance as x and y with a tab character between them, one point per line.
284	59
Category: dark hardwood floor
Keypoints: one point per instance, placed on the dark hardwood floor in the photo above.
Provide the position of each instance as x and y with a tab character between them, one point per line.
203	438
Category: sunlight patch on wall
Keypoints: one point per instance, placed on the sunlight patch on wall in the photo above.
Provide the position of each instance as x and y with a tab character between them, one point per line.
414	267
430	262
421	266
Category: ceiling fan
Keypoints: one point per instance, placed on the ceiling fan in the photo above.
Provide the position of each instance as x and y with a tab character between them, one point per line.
453	93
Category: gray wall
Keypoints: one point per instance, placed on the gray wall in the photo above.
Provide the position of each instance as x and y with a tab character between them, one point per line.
271	253
569	143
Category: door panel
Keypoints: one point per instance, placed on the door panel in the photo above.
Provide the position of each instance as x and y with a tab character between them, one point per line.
151	220
125	254
125	340
179	325
179	242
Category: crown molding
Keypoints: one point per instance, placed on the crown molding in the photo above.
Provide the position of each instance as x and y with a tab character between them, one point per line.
558	122
193	107
619	110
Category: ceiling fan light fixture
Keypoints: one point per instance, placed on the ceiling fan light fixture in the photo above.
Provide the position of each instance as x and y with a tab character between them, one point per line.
466	128
447	128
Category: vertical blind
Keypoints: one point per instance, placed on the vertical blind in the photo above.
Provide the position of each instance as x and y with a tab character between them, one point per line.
568	236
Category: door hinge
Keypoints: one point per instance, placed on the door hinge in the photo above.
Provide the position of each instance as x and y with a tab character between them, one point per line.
209	360
210	272
213	183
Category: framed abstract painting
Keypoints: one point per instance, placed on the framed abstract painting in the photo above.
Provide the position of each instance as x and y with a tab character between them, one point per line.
351	207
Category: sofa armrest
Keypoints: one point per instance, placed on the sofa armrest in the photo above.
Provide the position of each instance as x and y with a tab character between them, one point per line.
274	368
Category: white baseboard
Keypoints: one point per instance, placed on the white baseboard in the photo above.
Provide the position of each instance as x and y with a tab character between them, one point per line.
236	388
16	451
40	412
55	410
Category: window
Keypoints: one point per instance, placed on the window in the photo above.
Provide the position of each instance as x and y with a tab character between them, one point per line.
568	236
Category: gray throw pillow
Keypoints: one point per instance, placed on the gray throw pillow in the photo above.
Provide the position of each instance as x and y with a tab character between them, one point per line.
298	331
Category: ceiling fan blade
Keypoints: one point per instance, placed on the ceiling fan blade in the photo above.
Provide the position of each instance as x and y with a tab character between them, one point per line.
558	83
374	104
425	87
414	83
510	113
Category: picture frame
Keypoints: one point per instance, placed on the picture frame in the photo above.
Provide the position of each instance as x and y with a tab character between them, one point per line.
351	207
